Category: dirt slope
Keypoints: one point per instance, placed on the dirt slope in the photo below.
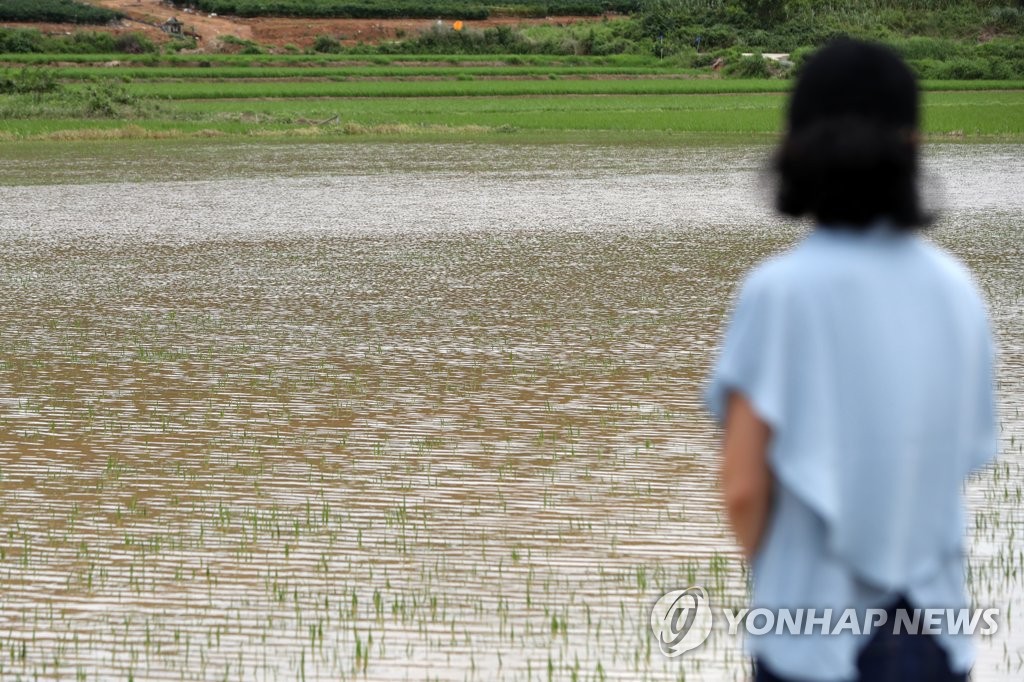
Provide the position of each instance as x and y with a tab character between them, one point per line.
155	12
299	32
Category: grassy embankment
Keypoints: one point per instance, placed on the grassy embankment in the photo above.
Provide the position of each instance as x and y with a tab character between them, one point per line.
522	101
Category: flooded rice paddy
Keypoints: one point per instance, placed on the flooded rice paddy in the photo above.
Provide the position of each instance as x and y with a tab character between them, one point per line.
327	412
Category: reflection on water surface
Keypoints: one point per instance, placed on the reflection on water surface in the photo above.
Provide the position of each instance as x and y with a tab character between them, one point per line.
375	411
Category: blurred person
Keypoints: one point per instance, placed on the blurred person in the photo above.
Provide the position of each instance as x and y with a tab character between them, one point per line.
855	387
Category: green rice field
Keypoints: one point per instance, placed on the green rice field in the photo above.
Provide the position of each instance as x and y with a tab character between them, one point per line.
626	97
958	114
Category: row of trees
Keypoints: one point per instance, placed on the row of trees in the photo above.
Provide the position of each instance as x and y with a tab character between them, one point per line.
768	13
55	11
786	25
429	9
764	13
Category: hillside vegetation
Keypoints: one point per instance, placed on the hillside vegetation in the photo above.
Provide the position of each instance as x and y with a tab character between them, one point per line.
55	11
787	25
15	41
941	39
452	9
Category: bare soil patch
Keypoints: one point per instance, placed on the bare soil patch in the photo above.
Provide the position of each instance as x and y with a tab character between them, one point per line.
146	15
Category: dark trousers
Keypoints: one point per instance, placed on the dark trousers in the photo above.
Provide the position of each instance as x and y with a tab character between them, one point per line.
890	657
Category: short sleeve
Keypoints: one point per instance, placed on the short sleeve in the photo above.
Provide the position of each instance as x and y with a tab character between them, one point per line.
752	356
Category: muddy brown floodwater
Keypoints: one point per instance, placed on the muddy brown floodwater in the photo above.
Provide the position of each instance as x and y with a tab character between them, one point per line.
373	411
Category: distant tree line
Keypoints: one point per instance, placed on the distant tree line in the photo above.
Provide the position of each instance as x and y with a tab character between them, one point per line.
413	9
56	11
787	25
763	12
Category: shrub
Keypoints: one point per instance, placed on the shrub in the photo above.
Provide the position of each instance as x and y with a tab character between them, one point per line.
180	44
29	80
962	68
799	57
86	42
14	40
927	48
81	42
135	43
702	60
234	44
107	100
441	39
928	69
1006	19
754	66
1002	48
966	69
327	44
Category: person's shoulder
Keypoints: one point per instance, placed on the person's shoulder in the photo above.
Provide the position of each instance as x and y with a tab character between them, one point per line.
780	272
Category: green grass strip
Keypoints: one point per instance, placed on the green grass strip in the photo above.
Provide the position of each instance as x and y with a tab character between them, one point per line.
334	72
447	88
154	60
491	88
968	115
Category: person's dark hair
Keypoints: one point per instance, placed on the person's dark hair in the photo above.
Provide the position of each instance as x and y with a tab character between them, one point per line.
850	152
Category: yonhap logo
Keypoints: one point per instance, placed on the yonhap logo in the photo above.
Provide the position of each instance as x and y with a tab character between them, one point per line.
681	620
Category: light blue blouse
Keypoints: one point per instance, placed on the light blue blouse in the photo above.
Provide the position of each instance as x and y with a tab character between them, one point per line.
870	356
